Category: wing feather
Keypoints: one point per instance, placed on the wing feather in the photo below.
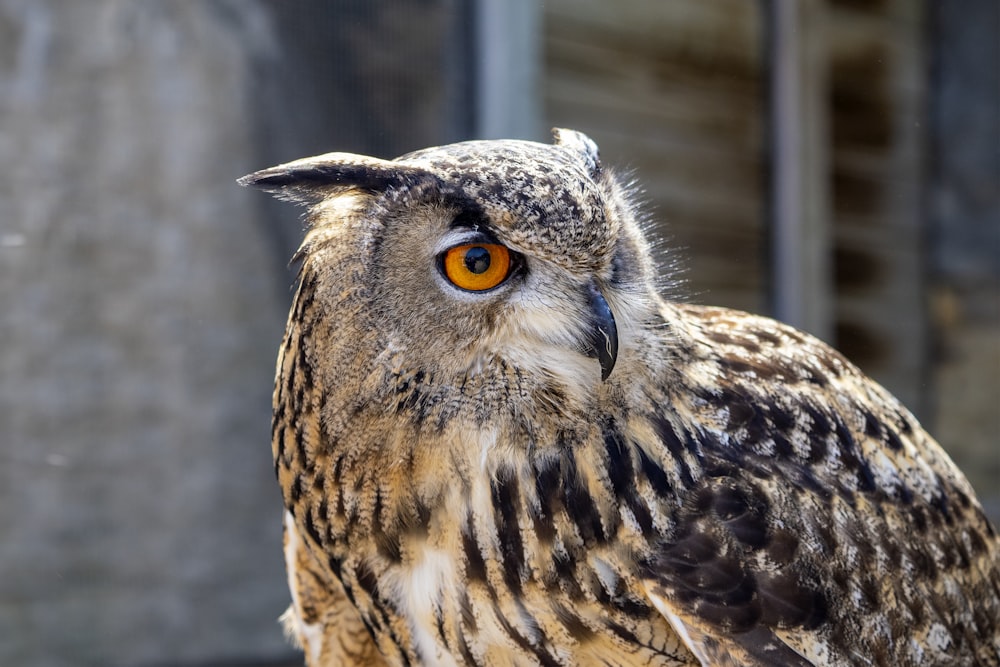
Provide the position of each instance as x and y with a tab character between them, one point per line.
817	523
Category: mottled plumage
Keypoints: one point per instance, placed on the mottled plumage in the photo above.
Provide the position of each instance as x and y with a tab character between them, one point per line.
463	487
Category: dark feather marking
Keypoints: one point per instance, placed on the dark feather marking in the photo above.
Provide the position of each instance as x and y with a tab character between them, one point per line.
782	420
576	627
565	568
547	494
904	424
717	466
688	551
439	623
782	547
873	427
619	462
805	477
744	514
414	517
871	591
988	525
295	492
300	442
758	429
396	639
388	547
623	632
470	213
336	564
669	438
372	625
787	602
976	542
468	615
894	553
544	658
366	579
465	650
721	580
279	441
386	540
303	305
819	429
475	566
850	458
303	374
732	607
596	587
655	474
847	446
632	607
827	539
903	494
311	529
506	503
761	644
939	502
621	472
963	500
724	337
579	505
740	413
338	469
772	339
814	376
782	446
341	507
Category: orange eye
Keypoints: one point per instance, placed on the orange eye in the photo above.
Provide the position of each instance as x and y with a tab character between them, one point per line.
477	266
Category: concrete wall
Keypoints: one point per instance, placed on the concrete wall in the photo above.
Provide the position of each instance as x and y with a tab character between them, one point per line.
144	293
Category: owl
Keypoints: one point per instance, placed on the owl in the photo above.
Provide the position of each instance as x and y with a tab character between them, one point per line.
498	444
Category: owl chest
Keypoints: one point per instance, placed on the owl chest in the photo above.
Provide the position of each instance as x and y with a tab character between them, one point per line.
489	570
418	592
458	603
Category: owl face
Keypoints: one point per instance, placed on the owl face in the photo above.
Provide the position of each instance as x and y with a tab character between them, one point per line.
473	255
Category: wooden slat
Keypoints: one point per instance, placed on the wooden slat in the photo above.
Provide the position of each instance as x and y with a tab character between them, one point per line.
672	91
876	95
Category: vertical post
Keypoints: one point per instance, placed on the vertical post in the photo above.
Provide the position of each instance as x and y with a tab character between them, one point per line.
802	280
507	89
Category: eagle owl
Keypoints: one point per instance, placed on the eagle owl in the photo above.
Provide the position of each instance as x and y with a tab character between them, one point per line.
499	445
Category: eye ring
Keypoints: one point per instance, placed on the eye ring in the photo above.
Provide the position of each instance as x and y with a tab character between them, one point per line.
476	267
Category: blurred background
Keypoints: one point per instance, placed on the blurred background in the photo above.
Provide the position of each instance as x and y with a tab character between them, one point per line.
835	163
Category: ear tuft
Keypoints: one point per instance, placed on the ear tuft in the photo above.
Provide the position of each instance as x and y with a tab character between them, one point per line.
311	179
580	144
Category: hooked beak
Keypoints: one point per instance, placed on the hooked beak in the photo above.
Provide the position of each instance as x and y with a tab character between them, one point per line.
602	337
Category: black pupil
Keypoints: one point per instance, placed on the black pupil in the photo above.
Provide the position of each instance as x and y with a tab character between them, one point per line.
477	259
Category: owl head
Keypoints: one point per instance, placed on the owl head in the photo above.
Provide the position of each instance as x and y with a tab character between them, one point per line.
461	257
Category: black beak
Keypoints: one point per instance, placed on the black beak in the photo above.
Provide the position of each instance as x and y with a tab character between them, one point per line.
602	338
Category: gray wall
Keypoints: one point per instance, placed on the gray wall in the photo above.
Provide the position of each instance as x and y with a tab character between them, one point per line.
143	296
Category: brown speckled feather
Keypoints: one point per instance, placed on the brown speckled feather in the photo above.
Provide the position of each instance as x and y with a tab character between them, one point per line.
565	469
822	521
